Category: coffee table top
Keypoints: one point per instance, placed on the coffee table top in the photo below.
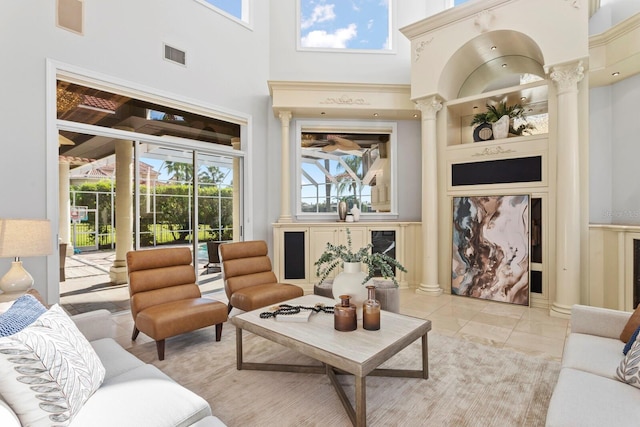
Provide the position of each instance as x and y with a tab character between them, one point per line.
357	352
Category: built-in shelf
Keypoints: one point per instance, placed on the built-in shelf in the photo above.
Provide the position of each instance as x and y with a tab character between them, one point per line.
532	96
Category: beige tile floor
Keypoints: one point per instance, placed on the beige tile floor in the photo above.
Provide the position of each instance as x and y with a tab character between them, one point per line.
516	328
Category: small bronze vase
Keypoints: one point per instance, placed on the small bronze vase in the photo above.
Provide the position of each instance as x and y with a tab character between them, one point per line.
371	311
344	315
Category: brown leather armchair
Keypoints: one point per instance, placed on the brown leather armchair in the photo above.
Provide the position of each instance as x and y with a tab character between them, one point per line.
248	278
165	299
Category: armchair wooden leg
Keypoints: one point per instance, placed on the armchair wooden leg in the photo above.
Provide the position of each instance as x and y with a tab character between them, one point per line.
218	331
160	347
135	333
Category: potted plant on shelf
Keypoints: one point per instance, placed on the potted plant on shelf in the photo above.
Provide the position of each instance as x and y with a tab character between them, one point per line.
495	113
352	279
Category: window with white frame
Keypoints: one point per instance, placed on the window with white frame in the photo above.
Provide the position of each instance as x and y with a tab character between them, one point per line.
351	163
350	25
238	9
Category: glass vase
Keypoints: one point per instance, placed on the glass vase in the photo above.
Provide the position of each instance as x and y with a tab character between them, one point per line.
371	311
344	315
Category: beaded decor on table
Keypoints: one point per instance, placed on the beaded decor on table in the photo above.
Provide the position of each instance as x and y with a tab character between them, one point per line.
286	309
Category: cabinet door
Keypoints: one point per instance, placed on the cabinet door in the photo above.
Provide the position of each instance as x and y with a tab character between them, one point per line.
319	237
359	237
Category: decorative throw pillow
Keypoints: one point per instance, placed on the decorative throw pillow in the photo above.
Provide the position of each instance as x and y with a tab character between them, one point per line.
48	370
629	369
631	341
632	324
24	311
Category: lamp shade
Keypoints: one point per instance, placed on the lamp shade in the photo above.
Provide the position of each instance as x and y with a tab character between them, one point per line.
25	237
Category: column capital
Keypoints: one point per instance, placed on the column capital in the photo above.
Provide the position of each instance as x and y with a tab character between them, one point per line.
429	107
285	117
566	77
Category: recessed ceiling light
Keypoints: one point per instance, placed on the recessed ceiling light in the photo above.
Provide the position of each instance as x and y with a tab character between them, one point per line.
323	113
494	47
375	114
415	116
615	74
523	98
475	107
504	65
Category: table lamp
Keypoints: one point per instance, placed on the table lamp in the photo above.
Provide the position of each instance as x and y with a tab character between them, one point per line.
22	238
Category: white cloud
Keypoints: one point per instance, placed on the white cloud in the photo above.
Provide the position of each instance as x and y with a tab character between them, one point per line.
321	13
370	24
337	39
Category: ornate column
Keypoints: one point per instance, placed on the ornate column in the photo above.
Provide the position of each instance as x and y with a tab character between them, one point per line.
235	143
64	206
285	187
124	210
429	282
566	79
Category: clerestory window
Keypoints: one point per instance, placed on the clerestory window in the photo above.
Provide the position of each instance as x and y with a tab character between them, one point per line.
353	25
238	9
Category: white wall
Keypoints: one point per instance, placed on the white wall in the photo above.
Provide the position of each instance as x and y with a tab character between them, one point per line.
625	138
600	156
227	65
612	12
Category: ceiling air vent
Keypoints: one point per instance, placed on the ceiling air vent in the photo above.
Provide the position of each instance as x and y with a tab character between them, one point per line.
175	55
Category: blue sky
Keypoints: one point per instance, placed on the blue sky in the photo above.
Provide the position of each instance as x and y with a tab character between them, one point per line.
350	24
232	7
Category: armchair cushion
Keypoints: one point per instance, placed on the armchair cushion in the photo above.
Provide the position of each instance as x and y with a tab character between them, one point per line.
632	324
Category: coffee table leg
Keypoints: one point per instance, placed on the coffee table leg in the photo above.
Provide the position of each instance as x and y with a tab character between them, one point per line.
238	349
425	357
361	401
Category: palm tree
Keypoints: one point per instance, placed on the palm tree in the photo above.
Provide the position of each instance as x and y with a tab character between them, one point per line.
346	180
180	171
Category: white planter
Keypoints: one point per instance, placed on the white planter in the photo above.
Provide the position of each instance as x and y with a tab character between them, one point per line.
349	282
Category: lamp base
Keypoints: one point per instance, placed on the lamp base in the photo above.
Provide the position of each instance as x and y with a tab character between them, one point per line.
17	279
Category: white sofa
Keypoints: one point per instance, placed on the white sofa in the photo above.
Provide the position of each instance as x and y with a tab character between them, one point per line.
133	393
588	392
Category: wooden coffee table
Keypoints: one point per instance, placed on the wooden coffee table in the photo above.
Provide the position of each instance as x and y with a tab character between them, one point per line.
358	352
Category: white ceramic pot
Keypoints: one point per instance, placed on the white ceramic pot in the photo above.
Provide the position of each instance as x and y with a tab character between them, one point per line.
349	282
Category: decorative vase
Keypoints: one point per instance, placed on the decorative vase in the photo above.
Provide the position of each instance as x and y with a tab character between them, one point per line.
342	210
501	127
371	311
355	211
349	282
344	315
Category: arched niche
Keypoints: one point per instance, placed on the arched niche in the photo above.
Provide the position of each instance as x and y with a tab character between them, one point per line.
490	61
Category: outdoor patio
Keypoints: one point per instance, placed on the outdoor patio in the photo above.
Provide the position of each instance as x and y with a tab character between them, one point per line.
87	286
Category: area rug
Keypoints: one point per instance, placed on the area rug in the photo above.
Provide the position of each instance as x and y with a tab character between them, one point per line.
469	384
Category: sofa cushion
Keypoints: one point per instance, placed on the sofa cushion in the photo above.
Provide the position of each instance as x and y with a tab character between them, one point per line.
143	396
632	324
48	370
116	360
590	353
629	369
577	400
23	312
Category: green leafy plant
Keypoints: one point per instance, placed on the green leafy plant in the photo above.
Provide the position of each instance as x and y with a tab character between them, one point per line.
494	112
335	256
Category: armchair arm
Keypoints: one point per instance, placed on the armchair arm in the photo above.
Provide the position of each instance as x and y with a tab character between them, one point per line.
95	324
598	321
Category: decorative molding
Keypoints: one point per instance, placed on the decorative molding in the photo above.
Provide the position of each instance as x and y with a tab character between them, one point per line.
421	47
574	3
566	77
285	117
483	20
345	100
429	107
492	151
